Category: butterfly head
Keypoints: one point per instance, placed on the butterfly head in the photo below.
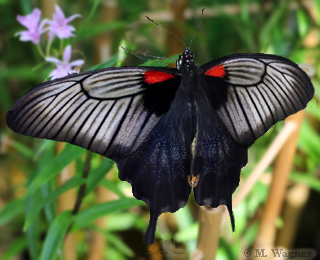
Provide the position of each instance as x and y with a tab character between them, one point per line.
185	60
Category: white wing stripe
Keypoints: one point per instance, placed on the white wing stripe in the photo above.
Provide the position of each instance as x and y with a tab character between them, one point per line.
106	76
262	106
30	115
277	106
253	102
247	117
80	134
55	110
264	96
251	110
109	126
244	71
299	93
29	104
292	72
235	112
92	144
56	124
293	82
280	81
52	111
119	126
54	90
286	100
118	91
94	122
73	122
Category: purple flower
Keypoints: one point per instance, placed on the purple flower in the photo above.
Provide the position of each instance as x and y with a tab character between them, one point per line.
59	25
64	67
31	22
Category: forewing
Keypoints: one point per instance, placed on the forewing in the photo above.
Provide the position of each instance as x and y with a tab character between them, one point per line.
251	92
109	111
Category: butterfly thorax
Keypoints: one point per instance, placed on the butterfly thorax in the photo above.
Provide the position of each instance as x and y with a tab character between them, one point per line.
185	63
188	70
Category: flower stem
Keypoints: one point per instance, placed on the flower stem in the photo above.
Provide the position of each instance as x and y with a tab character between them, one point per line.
40	51
61	46
48	48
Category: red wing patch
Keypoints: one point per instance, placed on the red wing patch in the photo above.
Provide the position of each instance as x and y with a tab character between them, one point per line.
152	77
216	71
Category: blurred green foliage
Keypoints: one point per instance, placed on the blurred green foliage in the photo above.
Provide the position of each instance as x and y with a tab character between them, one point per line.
279	29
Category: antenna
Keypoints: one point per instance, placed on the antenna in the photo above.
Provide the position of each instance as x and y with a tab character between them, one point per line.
197	28
132	53
166	30
137	53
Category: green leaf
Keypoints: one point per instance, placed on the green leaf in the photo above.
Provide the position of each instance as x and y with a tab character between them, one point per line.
87	216
272	22
251	232
245	15
93	9
45	145
69	153
317	11
309	141
185	221
17	246
302	22
160	63
34	231
47	156
190	233
5	99
244	30
49	208
96	175
55	235
11	211
241	219
312	181
109	63
115	241
19	72
112	187
40	65
26	151
113	253
121	221
92	31
26	6
72	183
119	245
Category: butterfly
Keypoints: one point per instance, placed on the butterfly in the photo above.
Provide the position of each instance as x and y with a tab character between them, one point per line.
169	130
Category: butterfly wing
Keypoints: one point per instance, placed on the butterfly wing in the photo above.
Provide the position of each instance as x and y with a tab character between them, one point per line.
158	170
126	114
251	92
240	97
218	160
109	111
